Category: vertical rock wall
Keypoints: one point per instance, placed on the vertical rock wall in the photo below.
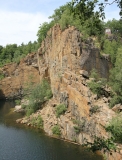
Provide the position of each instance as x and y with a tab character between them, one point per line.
61	59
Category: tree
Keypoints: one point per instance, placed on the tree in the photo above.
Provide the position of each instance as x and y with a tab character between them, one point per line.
116	79
85	8
115	26
110	47
43	29
58	13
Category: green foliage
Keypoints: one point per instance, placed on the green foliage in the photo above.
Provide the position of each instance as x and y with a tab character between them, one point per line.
60	109
116	99
79	125
87	22
116	79
28	86
43	29
17	101
1	76
37	96
85	8
94	109
115	127
94	74
13	53
115	26
17	56
84	11
58	13
96	85
110	47
77	129
37	121
75	121
102	144
56	130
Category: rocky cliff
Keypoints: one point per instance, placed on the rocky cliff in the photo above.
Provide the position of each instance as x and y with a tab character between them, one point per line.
66	61
17	76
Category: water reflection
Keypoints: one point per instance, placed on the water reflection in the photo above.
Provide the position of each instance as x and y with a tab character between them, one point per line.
19	142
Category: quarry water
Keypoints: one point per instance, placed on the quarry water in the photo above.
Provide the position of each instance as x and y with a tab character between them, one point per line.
18	142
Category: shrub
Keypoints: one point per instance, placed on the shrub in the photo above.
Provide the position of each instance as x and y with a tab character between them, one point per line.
77	129
115	100
37	121
38	95
1	76
60	109
79	125
115	127
94	74
96	86
115	79
17	101
102	144
56	130
94	109
75	121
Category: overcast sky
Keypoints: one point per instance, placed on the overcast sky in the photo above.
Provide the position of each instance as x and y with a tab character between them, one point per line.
20	19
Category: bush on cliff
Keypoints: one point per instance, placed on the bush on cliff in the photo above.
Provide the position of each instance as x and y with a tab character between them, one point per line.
60	109
1	76
96	85
115	127
101	144
56	130
38	95
37	121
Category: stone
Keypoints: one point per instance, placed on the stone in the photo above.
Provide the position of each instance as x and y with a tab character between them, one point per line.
105	99
18	108
120	151
84	73
18	120
117	108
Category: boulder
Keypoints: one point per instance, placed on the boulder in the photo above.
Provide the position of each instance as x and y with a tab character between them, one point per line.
84	73
117	108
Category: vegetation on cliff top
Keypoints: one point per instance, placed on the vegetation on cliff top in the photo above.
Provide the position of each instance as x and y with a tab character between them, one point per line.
13	53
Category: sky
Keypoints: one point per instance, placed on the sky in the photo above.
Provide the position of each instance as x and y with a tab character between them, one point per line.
20	19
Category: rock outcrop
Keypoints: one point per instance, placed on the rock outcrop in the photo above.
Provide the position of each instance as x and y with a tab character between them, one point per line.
17	76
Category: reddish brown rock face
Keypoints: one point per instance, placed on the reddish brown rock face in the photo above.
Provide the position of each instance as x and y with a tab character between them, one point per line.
16	77
61	58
